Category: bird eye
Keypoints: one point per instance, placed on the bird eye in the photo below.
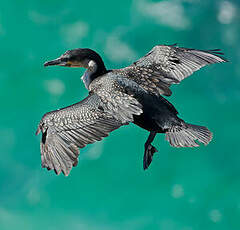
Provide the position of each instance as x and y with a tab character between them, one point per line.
64	59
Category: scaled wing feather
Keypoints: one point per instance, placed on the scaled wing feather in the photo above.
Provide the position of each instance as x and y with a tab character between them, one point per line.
166	65
117	98
65	131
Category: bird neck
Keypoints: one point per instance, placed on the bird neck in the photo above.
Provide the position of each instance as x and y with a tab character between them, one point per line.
95	68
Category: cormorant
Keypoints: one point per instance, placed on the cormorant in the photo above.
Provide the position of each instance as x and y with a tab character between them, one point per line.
120	96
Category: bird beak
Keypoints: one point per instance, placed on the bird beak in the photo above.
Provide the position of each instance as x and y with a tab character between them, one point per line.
58	61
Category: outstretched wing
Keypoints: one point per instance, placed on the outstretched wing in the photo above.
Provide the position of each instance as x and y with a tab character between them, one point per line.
66	130
165	65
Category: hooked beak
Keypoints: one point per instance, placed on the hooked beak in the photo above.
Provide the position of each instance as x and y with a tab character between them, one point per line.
58	61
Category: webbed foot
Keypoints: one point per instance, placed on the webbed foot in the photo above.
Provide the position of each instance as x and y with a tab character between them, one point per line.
148	155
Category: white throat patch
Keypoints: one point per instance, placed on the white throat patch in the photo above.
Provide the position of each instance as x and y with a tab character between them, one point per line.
91	69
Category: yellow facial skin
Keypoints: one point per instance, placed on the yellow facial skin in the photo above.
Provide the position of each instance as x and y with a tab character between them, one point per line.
73	64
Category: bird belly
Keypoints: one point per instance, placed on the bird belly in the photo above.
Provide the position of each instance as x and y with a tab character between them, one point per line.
157	115
146	122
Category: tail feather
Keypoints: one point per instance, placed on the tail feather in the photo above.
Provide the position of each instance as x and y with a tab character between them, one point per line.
187	135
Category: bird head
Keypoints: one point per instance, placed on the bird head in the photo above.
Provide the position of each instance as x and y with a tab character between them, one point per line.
75	58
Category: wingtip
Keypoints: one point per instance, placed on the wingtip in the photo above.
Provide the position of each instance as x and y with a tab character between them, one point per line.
172	45
38	131
57	172
223	59
66	173
218	53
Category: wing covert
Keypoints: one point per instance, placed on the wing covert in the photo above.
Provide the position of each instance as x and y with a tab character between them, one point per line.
66	130
117	96
166	65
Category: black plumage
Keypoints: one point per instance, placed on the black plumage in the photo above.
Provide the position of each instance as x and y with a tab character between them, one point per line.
118	97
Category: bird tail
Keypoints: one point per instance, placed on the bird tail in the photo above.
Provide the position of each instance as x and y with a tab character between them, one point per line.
187	135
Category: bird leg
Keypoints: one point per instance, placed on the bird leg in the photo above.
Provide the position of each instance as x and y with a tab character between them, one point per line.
149	150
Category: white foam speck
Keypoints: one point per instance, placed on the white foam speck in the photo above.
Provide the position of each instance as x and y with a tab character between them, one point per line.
118	50
215	215
38	18
177	191
55	87
192	200
33	196
170	13
230	35
95	151
227	12
74	32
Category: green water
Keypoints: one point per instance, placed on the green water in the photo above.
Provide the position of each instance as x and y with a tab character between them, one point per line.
184	189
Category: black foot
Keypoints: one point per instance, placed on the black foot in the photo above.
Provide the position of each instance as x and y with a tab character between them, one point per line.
148	155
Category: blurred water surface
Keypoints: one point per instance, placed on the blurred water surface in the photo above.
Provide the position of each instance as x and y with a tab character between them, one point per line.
184	189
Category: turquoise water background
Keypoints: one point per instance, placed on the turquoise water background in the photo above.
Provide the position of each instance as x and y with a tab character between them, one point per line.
184	189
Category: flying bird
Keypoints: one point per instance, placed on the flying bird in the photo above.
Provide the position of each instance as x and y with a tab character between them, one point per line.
120	96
